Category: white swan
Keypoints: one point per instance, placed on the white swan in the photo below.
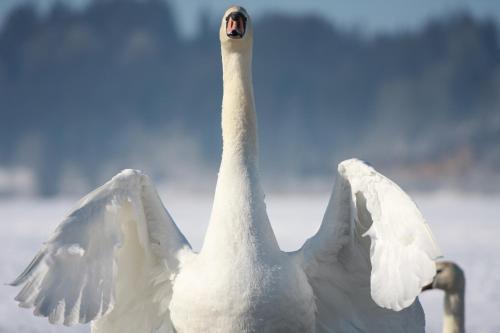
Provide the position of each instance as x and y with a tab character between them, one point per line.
120	262
451	279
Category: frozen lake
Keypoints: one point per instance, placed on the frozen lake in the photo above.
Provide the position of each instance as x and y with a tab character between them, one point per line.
467	229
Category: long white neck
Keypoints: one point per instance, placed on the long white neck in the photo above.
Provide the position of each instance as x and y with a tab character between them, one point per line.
454	315
239	221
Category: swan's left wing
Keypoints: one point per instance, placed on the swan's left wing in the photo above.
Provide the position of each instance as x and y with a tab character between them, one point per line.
110	261
373	250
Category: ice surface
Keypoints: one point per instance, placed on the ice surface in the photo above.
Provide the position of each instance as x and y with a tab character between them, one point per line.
467	229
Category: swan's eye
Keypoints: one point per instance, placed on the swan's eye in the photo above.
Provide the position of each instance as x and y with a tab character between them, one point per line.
236	25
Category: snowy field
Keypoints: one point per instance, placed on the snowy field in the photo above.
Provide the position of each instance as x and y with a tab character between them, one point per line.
467	229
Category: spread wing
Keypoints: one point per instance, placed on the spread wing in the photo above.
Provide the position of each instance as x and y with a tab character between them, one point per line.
111	258
371	256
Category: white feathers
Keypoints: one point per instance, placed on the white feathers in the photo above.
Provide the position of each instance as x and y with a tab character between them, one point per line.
75	277
373	247
75	250
402	248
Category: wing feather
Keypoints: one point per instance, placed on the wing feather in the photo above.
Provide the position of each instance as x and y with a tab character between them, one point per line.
104	256
373	251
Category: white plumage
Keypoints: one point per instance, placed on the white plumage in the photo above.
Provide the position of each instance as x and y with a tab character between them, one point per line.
107	258
119	261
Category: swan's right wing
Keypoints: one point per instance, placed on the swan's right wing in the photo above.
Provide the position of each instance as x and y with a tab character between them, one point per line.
371	257
110	261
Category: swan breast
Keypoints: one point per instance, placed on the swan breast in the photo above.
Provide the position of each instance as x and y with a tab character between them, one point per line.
248	296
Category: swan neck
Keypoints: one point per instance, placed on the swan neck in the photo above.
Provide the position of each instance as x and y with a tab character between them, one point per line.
454	315
239	224
239	120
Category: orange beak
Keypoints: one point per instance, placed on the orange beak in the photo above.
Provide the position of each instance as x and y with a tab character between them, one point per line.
235	25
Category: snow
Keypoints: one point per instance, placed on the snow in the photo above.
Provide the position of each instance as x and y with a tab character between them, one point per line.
466	227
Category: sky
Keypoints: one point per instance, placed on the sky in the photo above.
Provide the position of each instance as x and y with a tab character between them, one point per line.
368	16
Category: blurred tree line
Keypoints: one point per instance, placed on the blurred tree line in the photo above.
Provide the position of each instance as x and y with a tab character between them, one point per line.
86	93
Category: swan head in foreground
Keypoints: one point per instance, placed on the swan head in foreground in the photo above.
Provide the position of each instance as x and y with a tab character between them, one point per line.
236	33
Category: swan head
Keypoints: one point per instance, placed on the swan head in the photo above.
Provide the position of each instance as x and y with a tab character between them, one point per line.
449	277
236	29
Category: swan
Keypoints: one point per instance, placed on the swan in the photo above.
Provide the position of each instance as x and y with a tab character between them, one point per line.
451	279
120	262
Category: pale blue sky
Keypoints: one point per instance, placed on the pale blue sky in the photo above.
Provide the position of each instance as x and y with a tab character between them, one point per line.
367	15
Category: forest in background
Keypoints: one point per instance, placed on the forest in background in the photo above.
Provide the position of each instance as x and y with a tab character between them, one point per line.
86	93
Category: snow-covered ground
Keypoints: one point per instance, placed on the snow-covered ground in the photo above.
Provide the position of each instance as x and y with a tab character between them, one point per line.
466	227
